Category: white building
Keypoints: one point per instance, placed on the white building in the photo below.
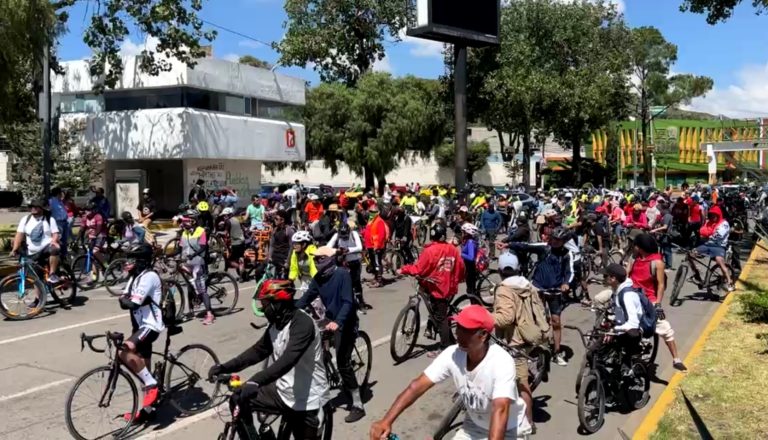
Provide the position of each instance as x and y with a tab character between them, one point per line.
217	121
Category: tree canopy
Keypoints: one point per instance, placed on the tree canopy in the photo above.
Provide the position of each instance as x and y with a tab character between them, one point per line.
477	156
719	10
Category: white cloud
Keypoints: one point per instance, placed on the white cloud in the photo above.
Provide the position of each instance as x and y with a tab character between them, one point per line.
422	48
748	98
128	48
231	57
383	65
251	44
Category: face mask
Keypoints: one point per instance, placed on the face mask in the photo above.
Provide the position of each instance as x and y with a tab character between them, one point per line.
325	266
275	312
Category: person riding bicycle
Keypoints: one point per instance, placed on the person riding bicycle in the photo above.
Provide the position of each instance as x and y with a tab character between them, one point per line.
554	271
350	246
294	383
302	266
627	314
408	202
333	285
194	245
484	376
142	297
254	213
441	263
132	233
716	230
403	232
38	234
636	222
469	250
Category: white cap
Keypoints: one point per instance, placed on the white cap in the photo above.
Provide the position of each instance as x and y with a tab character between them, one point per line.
146	191
508	260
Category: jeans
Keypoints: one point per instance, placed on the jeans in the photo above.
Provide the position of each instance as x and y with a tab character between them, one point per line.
471	276
440	310
666	252
344	342
490	237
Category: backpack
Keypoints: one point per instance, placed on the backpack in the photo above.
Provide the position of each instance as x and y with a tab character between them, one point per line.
532	323
168	307
648	319
481	259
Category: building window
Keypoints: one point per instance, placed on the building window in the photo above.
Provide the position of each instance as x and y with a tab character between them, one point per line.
81	103
278	110
248	106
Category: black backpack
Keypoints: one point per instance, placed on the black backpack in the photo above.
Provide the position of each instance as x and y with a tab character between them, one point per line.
168	307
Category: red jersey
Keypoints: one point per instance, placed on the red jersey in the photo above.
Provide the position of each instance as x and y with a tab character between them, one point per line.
442	263
376	234
314	211
643	277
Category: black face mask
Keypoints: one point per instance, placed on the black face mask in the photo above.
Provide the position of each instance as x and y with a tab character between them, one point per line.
278	312
325	266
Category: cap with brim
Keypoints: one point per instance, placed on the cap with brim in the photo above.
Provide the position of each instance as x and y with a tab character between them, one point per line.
325	251
39	203
333	207
475	317
615	270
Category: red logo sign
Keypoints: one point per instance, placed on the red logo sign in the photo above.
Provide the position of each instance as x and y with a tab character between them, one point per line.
290	138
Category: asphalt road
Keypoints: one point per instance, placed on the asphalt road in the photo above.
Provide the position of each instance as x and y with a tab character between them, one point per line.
43	359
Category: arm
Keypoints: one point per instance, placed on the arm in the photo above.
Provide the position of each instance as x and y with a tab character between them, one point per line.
504	312
569	268
302	334
499	417
252	356
358	243
660	280
332	242
347	299
411	394
313	291
55	233
422	267
17	240
468	251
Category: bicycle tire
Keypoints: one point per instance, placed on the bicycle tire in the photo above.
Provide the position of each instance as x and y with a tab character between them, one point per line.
399	328
182	398
650	359
362	354
115	278
447	424
172	247
78	268
173	289
118	433
638	397
542	367
586	402
326	428
216	250
583	371
222	294
677	285
395	263
12	281
66	287
717	280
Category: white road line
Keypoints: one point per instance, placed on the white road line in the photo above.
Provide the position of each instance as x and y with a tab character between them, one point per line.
61	329
35	389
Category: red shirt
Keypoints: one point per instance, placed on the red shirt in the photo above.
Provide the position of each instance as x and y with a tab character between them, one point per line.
694	212
442	263
642	276
314	211
376	234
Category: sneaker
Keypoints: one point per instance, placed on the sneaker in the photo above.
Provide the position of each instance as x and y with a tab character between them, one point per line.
730	288
64	304
150	396
679	365
53	278
560	359
209	319
354	415
586	302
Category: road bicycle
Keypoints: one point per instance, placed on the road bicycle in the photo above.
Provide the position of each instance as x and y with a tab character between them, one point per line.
405	331
24	293
606	382
394	257
537	360
222	288
714	281
217	248
114	395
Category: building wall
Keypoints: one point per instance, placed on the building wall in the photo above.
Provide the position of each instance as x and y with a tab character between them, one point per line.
5	170
164	178
242	175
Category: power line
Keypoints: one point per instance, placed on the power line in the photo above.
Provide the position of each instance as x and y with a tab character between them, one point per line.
237	33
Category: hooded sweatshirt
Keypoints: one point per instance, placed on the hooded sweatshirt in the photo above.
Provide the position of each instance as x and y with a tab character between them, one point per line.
716	231
506	308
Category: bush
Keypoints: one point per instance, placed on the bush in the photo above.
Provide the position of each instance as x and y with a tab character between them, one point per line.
754	306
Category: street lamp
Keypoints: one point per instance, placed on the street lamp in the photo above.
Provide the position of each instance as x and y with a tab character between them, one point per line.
634	153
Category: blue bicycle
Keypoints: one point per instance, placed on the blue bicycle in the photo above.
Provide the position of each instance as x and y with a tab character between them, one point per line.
24	293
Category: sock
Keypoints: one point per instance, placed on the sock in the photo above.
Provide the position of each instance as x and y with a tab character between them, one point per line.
357	401
147	377
677	361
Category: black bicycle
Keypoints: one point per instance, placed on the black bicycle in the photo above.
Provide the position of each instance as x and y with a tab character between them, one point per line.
361	360
113	398
715	282
538	360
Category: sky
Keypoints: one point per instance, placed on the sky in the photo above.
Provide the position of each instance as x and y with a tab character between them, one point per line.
732	53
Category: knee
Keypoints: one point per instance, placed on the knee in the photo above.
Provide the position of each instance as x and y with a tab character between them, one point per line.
556	322
55	251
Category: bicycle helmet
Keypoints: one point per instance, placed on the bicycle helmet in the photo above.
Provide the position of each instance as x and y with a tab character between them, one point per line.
469	228
203	206
277	290
344	230
127	217
192	214
302	237
141	251
560	233
227	211
438	232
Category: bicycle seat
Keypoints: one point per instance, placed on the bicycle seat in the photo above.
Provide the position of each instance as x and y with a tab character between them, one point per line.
175	330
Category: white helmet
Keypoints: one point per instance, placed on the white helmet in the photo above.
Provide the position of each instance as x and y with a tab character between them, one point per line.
569	195
302	237
508	260
313	196
469	228
227	211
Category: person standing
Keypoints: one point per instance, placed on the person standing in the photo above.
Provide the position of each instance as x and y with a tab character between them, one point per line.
59	214
349	245
291	198
491	221
194	246
198	193
147	209
375	238
280	244
255	213
469	254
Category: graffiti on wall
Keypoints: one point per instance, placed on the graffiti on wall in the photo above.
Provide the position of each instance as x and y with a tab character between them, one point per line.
216	175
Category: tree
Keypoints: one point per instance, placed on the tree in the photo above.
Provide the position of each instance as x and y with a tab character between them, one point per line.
652	57
719	10
341	39
477	156
254	62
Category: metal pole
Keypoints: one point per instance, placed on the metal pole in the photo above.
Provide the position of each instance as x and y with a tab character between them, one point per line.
460	103
45	116
634	159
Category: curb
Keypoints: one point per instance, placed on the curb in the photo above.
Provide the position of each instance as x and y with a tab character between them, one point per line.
651	421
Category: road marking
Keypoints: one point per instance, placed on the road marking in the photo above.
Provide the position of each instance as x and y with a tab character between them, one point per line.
651	421
35	389
60	329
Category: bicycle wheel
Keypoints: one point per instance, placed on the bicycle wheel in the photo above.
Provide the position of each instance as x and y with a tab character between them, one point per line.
185	381
591	404
677	285
362	358
405	332
172	248
326	426
93	419
87	277
66	288
216	249
464	301
616	256
223	291
635	387
448	423
717	286
395	263
175	292
22	299
540	367
115	277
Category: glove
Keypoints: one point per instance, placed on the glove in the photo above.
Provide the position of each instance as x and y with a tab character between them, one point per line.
215	371
246	391
660	315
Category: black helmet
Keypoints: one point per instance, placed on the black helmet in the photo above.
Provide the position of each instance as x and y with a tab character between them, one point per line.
560	233
344	230
192	213
141	252
438	232
127	217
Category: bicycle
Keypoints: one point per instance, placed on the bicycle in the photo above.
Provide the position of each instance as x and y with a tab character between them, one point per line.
408	323
538	370
604	383
714	280
361	361
179	377
264	431
24	293
394	257
222	288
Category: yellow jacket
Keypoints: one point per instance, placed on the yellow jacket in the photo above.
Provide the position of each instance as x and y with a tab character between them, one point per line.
294	272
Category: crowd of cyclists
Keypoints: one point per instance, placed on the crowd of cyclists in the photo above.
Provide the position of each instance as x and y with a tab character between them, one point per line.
309	252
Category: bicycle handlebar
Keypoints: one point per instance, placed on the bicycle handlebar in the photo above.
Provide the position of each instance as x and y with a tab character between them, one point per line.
115	338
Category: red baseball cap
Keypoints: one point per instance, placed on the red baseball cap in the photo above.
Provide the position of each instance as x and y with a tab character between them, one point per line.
475	317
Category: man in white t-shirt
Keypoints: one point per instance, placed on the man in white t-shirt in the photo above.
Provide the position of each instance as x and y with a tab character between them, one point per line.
291	197
40	235
484	376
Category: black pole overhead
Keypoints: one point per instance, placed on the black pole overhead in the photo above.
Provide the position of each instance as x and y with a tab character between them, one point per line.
460	115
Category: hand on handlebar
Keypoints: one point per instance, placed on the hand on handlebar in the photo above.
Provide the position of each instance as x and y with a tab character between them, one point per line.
331	326
565	287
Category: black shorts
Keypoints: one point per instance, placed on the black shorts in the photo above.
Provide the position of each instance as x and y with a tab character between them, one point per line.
143	338
237	251
556	304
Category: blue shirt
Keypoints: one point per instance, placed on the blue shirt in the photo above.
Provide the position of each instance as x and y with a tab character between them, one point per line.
58	211
336	294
